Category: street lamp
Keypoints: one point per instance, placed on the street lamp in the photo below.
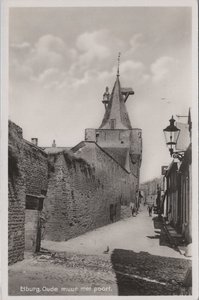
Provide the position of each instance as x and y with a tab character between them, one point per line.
171	134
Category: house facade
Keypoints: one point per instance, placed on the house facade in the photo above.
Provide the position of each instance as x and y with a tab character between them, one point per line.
178	190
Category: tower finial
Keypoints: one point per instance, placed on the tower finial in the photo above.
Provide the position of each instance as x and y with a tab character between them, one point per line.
118	64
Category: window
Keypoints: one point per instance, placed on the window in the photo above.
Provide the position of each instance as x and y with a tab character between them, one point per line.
112	123
34	202
97	136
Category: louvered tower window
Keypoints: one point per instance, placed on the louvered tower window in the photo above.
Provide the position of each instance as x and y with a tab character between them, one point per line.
112	123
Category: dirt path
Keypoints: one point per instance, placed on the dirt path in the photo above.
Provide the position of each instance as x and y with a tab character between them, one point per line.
136	233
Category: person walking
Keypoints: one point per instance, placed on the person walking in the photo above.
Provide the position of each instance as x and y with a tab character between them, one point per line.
133	209
150	210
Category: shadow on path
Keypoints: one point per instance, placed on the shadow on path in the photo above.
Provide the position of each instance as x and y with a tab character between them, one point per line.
161	234
145	274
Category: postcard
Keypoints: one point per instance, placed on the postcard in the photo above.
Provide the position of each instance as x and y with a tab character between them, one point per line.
99	149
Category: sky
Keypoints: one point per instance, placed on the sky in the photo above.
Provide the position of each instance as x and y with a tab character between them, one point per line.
61	60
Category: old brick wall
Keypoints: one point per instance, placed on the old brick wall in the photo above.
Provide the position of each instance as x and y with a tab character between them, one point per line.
119	182
85	190
36	169
28	175
126	212
130	139
116	178
36	179
83	194
16	195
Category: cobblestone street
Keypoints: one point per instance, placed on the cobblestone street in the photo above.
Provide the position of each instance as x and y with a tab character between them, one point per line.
140	261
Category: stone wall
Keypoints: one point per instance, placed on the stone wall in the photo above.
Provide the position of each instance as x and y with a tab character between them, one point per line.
85	191
16	196
36	169
116	178
28	175
126	212
119	139
131	138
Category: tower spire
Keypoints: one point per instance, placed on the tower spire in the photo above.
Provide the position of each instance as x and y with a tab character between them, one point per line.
118	64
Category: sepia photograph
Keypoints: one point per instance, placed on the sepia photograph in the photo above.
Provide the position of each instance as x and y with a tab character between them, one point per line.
101	186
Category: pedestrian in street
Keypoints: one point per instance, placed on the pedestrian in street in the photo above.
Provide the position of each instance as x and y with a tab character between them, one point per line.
150	210
133	209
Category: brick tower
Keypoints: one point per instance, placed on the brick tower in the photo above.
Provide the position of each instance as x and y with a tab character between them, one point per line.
116	135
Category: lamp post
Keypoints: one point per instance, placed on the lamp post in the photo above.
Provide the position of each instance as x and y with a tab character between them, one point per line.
171	134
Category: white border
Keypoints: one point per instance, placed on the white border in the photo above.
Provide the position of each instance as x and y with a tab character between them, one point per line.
6	4
195	224
4	149
98	3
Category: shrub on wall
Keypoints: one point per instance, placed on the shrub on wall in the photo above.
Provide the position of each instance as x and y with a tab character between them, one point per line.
13	168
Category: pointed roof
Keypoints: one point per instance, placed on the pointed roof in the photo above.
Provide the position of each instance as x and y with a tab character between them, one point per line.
116	110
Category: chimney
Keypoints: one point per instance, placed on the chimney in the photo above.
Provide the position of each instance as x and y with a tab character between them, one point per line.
53	144
34	141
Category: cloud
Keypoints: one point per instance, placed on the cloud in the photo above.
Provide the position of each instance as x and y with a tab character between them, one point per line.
135	42
50	43
23	45
133	72
50	78
49	52
50	57
77	82
93	44
19	71
92	47
95	50
161	68
18	54
51	64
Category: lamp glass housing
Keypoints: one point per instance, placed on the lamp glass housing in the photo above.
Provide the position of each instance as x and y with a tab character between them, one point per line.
171	134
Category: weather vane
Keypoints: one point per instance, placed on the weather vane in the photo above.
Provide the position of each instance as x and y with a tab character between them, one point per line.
118	64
